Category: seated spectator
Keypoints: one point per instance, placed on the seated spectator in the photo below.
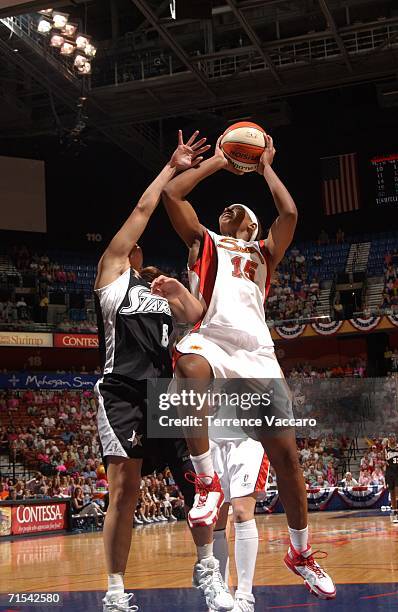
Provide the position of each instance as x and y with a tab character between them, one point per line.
348	481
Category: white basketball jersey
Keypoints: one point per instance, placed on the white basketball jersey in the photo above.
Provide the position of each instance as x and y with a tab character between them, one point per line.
232	277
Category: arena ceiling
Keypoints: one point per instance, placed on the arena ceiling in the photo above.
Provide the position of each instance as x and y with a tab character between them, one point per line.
250	54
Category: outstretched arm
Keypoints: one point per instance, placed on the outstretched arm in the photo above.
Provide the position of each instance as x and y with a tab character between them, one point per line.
181	213
116	255
282	230
184	306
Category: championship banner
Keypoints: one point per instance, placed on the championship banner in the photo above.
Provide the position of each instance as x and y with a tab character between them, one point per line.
361	497
34	340
89	341
17	380
393	319
326	329
318	499
37	518
365	324
289	332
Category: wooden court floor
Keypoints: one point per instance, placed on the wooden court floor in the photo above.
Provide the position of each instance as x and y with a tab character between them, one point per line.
362	549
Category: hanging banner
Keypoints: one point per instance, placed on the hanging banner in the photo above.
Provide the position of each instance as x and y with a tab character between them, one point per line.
393	318
326	329
365	324
289	332
361	497
318	499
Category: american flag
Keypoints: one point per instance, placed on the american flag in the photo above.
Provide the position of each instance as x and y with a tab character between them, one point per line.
340	183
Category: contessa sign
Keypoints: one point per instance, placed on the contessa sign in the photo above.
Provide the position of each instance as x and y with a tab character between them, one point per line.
76	341
25	339
27	519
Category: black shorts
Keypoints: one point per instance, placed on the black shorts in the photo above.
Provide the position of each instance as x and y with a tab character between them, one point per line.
392	478
122	430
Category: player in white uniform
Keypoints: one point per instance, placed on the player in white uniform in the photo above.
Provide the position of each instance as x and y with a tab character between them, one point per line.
230	272
242	466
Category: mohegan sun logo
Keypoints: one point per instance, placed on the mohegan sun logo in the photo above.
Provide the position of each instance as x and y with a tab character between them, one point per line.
141	300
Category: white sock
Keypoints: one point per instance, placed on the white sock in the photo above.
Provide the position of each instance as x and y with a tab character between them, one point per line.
299	538
246	547
115	584
203	464
220	551
205	551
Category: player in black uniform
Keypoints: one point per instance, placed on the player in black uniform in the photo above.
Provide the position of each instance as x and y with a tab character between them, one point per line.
391	455
134	326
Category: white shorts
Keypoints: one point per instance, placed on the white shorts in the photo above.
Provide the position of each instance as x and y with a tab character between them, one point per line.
228	357
241	465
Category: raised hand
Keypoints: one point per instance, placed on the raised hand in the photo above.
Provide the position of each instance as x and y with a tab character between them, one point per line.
188	155
167	287
267	157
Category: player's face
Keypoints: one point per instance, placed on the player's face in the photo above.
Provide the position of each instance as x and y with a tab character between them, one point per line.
136	258
233	221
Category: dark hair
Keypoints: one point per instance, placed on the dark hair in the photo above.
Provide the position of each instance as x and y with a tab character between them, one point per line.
150	273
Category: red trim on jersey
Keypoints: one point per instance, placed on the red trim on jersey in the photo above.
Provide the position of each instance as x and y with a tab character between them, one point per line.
265	253
175	357
205	268
262	474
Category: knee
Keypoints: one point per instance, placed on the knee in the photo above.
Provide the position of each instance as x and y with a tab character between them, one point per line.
286	460
242	515
192	366
124	498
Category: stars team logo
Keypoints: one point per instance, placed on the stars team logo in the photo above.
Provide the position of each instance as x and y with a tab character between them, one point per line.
135	439
142	301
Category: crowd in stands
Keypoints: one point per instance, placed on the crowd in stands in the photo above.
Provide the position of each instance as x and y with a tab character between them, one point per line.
320	459
390	292
355	368
293	294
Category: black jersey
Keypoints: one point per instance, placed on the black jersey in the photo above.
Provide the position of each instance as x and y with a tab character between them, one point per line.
134	327
392	457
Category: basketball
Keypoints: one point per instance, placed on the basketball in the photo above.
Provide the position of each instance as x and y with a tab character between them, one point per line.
243	143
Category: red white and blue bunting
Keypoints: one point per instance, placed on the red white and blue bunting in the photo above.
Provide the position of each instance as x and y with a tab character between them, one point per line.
326	329
318	499
393	319
360	497
287	332
365	324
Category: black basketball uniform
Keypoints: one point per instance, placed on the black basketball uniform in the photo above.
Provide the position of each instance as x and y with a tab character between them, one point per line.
134	327
392	467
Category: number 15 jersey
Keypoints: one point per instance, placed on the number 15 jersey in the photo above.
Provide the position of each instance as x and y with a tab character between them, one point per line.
231	277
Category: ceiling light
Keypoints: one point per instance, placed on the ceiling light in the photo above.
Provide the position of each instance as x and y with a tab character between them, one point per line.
82	41
60	19
90	50
68	47
56	40
69	30
44	26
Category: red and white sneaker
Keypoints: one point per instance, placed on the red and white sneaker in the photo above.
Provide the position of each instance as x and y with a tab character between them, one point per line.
208	500
317	581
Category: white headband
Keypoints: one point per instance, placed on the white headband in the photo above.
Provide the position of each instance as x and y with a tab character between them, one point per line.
252	216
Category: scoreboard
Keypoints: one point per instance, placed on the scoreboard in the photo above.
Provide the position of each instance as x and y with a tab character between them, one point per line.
385	170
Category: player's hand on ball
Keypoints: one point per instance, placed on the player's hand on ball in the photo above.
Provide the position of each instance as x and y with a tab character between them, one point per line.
226	163
167	287
188	155
268	156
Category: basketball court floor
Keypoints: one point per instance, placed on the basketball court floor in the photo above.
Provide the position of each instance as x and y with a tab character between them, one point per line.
362	557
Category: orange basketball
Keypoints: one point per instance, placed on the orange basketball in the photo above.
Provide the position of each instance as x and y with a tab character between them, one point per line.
243	143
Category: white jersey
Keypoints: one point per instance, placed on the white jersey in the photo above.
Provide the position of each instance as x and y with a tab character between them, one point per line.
232	277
